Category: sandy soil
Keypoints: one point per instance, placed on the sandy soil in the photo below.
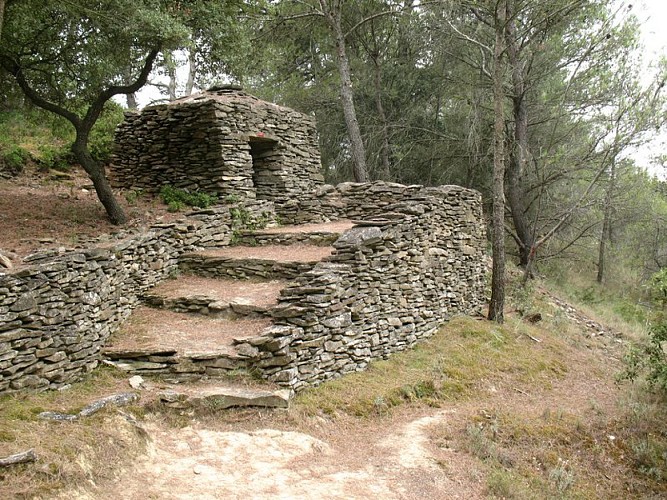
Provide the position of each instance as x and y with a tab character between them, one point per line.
395	462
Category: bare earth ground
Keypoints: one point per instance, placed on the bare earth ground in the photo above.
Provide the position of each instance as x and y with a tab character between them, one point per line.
280	253
413	453
44	211
261	293
333	227
187	334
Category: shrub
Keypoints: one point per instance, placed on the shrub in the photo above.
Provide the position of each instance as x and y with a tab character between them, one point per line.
102	134
56	158
649	359
177	199
14	159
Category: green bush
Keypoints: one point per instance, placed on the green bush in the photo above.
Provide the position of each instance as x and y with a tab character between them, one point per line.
650	359
14	159
56	158
177	199
101	137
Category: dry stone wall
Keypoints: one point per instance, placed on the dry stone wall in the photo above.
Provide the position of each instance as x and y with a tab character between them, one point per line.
57	312
415	260
222	141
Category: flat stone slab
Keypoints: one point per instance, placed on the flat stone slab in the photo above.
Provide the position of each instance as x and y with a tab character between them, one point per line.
335	227
221	397
164	333
213	296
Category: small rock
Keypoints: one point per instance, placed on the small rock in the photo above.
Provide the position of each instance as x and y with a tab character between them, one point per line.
136	382
198	469
5	262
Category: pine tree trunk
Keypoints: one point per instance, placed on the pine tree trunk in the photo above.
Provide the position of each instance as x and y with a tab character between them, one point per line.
515	169
131	101
606	224
497	304
171	73
385	149
349	112
192	72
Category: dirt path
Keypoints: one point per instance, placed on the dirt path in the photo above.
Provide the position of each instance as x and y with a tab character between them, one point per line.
415	452
396	460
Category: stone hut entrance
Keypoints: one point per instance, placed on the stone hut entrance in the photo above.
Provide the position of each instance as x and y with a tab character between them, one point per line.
266	166
221	141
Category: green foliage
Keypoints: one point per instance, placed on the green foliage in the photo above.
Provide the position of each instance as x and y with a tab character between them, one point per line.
102	134
54	158
244	220
649	359
178	199
132	196
14	159
83	43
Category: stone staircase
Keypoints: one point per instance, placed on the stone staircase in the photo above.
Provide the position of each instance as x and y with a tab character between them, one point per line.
196	330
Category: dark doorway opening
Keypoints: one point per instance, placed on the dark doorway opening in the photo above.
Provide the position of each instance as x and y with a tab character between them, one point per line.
265	167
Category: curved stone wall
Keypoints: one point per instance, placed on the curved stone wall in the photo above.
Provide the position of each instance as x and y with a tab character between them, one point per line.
405	269
415	258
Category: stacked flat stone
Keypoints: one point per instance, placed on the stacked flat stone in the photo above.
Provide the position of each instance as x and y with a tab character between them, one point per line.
57	312
415	259
391	281
203	142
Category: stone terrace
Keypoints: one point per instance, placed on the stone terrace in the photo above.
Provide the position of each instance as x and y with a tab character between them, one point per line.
349	292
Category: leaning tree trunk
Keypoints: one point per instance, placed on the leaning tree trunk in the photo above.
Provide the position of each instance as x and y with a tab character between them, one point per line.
349	112
497	303
96	174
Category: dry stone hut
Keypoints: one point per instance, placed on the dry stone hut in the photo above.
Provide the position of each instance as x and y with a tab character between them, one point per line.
221	141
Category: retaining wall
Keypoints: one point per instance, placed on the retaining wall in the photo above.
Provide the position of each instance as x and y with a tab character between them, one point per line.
57	312
416	260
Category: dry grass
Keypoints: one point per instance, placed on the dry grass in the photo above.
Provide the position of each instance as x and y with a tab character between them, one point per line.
68	453
465	359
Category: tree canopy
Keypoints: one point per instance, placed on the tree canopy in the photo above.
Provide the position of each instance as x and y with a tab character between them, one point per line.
405	91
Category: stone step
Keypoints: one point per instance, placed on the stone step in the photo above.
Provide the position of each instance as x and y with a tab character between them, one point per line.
323	234
218	396
216	297
267	262
182	346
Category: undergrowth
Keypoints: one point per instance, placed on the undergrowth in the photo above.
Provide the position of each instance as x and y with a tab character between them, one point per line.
32	134
68	453
177	199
